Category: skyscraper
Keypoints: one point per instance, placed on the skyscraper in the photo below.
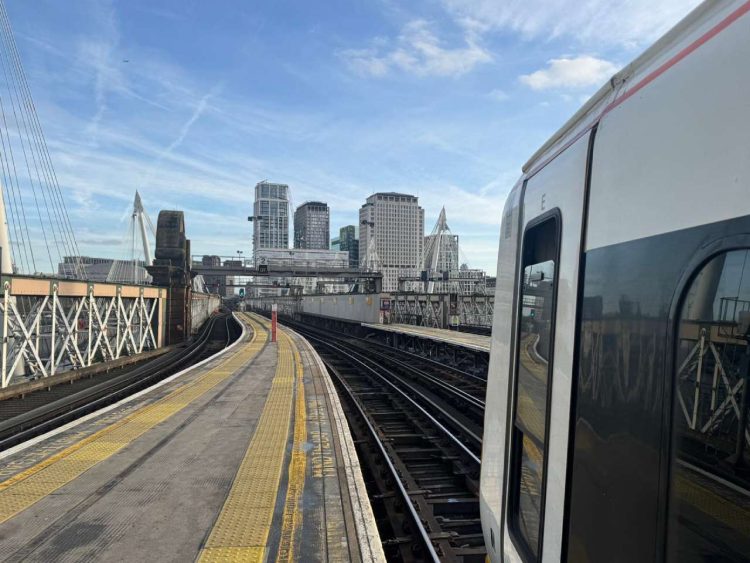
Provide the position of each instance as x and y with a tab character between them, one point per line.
391	236
348	241
312	228
270	216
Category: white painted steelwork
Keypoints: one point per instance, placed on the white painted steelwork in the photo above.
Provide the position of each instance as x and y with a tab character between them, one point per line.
52	325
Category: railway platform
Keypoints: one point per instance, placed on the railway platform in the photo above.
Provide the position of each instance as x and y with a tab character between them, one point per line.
463	350
244	457
477	342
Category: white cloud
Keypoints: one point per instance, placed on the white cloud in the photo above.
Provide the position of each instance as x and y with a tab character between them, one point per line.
498	95
418	51
570	73
634	23
366	61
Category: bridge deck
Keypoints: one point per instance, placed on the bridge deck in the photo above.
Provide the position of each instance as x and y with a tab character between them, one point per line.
477	342
247	457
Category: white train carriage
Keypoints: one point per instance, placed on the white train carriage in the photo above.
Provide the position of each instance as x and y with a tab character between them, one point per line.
616	422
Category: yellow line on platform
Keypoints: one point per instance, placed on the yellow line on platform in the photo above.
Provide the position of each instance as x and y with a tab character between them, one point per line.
241	530
296	482
30	486
734	515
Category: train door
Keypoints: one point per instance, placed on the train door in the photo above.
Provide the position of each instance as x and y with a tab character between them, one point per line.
551	230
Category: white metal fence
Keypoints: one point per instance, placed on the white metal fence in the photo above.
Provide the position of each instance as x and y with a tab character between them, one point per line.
51	325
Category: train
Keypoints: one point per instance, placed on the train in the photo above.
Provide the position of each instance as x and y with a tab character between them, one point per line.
616	422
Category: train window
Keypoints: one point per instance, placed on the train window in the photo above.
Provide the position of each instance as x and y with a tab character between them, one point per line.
709	498
534	349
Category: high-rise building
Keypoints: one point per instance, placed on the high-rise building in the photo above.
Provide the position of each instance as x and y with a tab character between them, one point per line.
312	228
348	241
391	236
270	216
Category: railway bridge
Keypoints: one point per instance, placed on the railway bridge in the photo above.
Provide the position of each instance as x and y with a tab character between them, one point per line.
598	411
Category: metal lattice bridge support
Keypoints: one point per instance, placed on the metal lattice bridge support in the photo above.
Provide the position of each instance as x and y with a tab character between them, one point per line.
710	383
53	325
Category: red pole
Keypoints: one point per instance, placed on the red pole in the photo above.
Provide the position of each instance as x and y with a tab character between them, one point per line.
273	322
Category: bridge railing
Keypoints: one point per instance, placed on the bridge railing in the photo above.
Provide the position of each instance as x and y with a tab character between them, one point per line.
52	325
442	310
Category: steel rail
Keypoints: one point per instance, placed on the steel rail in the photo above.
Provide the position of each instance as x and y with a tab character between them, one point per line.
65	409
446	432
468	431
450	388
423	533
368	342
425	359
460	393
369	381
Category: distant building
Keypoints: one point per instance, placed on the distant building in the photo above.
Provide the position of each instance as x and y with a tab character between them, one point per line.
350	243
95	269
312	228
220	284
105	269
307	259
212	261
215	284
391	236
270	216
335	243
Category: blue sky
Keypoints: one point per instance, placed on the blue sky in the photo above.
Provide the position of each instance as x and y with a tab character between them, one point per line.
445	99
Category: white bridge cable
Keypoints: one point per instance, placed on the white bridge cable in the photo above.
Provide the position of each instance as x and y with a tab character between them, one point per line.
64	234
9	81
36	185
16	215
56	193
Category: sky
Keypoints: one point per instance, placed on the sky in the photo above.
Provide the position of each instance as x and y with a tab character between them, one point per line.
193	102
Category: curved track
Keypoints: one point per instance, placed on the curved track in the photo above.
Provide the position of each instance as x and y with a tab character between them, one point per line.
39	412
418	428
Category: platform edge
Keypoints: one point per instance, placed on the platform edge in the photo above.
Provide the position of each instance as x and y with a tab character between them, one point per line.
72	424
368	537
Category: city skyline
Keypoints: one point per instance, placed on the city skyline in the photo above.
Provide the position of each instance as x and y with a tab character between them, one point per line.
443	99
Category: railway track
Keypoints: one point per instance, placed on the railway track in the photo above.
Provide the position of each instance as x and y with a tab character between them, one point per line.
419	436
41	411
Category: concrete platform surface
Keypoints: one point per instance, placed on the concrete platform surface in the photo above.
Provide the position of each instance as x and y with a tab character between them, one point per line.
245	458
468	340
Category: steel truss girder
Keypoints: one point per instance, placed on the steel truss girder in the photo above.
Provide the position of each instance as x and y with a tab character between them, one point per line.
429	309
48	328
704	412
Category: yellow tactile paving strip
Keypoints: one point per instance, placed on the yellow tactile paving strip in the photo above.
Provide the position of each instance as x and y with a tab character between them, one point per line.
241	530
297	467
532	410
30	486
733	514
